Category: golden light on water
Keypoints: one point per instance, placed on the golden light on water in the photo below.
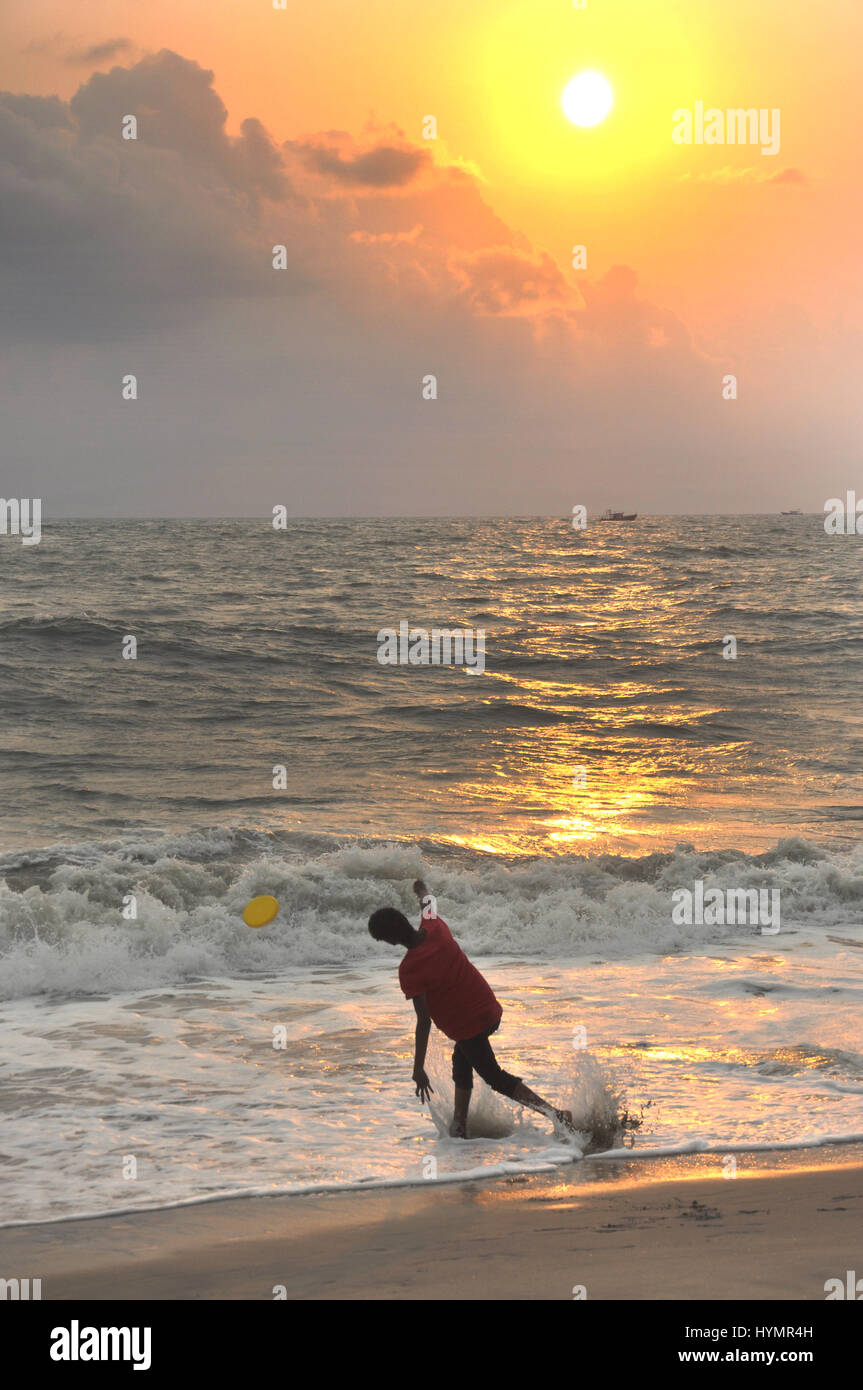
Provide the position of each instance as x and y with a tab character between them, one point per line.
563	798
572	745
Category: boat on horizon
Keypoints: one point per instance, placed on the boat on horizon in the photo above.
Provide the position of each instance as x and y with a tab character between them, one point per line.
793	512
609	515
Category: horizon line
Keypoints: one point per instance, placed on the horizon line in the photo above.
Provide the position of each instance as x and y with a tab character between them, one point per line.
405	516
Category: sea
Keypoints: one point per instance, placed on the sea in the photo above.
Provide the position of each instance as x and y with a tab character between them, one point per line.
195	713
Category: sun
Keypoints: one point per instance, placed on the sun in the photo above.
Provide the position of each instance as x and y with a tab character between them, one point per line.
587	99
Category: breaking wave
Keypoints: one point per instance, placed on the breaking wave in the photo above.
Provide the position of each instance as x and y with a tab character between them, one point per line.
63	929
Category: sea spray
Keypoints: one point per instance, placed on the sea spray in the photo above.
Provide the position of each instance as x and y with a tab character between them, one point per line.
598	1106
586	1086
489	1117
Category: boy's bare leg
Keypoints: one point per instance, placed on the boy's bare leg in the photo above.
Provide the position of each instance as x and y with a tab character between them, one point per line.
458	1128
525	1096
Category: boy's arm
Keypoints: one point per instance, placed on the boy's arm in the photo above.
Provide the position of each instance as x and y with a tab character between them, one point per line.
421	1081
428	902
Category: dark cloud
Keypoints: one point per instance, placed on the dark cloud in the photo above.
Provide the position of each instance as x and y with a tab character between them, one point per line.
504	280
102	236
41	112
70	51
100	52
258	162
384	166
172	97
177	109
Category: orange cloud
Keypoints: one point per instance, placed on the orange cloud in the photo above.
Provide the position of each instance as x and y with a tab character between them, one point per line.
337	157
729	175
504	280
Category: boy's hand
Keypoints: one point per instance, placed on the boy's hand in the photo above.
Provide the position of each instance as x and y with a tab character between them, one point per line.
422	1083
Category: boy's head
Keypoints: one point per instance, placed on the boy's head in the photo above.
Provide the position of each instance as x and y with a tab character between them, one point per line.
391	926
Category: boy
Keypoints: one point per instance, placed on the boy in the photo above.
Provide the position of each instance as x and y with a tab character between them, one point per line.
449	991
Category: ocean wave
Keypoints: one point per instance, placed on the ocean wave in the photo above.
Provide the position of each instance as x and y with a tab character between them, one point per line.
72	626
62	928
501	712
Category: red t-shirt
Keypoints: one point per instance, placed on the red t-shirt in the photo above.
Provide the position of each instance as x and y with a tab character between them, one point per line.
460	999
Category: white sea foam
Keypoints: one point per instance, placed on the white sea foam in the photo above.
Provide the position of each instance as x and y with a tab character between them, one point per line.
62	929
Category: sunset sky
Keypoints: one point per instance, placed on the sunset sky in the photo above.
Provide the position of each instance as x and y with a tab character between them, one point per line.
409	256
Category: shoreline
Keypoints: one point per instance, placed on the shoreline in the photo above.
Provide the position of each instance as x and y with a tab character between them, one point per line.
671	1228
640	1161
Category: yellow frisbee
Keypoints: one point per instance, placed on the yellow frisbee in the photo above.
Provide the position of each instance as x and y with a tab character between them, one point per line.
260	911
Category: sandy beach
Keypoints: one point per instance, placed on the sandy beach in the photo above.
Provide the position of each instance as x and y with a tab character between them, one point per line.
674	1229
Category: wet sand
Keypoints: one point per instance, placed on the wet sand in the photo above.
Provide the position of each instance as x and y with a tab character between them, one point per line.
662	1229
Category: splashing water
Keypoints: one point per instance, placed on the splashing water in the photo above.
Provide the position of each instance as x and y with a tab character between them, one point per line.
598	1107
489	1117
